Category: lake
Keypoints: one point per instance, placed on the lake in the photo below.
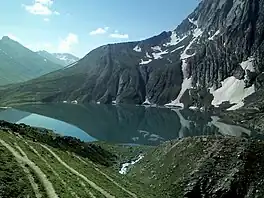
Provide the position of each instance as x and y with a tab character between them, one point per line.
124	124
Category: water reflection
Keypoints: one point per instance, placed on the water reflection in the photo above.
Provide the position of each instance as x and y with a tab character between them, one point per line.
125	123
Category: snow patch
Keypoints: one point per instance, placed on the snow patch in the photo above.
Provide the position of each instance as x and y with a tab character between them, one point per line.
98	102
65	101
187	82
248	64
145	62
147	55
147	102
193	22
74	102
175	39
178	48
232	91
194	108
126	166
215	34
137	49
158	52
45	59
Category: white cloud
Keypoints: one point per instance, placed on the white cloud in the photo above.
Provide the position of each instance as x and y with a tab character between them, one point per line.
66	44
118	35
56	13
45	2
41	7
99	31
46	19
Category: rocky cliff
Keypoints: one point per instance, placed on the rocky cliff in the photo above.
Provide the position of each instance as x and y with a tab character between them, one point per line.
213	58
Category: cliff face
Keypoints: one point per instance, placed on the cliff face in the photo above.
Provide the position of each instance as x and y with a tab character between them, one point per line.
213	57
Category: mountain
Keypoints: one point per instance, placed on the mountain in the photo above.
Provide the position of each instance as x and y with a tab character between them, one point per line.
66	58
213	58
18	64
51	57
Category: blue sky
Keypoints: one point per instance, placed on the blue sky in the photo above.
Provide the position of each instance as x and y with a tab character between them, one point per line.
78	26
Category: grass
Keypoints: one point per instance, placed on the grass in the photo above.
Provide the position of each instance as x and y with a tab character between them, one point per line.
66	183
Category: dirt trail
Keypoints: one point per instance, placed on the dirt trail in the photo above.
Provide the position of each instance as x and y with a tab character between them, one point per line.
91	183
31	179
53	171
42	177
109	178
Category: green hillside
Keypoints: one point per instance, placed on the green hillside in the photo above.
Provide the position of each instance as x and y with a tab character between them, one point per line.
18	64
37	164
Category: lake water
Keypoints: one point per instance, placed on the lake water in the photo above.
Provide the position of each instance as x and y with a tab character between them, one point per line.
125	124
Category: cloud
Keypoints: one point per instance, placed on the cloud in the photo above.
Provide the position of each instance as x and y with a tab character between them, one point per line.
46	19
56	13
40	7
66	44
99	31
118	35
44	2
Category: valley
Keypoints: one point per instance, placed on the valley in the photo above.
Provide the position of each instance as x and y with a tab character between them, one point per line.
178	114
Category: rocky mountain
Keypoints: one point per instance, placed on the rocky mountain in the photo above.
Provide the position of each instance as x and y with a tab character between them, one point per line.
213	58
18	64
66	58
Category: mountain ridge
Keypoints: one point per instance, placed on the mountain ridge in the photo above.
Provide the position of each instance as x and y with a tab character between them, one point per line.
19	64
216	45
64	59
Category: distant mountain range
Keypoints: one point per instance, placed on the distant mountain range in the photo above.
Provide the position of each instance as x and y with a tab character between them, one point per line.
59	58
19	64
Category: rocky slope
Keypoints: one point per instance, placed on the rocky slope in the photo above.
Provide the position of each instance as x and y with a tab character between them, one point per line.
18	64
213	58
204	167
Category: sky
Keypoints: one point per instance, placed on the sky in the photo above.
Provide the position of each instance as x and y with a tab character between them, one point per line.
78	26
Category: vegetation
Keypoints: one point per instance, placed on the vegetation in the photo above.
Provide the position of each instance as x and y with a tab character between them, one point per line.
63	167
18	64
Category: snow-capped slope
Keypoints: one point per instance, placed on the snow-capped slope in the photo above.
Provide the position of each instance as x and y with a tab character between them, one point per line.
66	58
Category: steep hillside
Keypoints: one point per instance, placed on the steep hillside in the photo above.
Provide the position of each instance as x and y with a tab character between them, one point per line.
18	64
213	58
38	163
204	167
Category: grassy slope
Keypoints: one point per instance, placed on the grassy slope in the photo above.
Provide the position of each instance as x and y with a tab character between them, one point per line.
66	183
18	64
